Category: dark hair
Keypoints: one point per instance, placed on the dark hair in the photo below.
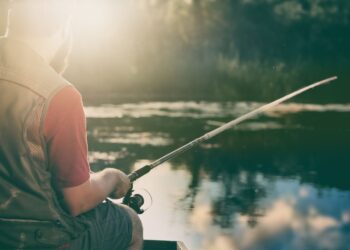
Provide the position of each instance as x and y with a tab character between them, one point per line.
38	17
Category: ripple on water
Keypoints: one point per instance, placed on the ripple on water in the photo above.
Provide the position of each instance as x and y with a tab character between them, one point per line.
203	109
142	138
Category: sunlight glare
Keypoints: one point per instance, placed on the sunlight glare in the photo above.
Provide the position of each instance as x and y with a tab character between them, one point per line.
91	17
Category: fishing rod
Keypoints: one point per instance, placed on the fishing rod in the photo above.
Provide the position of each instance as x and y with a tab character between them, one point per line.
136	200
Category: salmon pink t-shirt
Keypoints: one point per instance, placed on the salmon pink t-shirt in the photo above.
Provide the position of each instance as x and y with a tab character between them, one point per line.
65	135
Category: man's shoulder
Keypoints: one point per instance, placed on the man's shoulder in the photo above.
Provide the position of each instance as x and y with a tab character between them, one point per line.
65	107
68	94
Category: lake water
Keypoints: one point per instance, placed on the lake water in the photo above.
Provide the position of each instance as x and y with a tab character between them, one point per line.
278	181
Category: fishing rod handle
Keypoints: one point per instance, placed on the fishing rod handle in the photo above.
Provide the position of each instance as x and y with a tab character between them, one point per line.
138	173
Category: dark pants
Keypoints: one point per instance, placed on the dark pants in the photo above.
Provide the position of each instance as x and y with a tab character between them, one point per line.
111	228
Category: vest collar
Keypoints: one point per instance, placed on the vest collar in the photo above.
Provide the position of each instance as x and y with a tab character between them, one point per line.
22	65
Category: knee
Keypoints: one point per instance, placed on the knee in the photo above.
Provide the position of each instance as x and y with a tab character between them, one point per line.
137	229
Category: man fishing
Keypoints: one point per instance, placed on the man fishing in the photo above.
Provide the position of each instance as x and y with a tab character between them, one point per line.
49	197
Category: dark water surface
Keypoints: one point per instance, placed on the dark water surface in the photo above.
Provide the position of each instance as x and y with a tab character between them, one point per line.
279	181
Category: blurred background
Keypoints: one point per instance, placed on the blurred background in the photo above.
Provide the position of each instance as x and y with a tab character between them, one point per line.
155	74
208	49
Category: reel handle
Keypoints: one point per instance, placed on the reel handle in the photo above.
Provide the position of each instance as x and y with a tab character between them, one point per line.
134	201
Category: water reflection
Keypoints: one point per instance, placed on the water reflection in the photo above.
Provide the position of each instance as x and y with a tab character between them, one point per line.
292	215
279	181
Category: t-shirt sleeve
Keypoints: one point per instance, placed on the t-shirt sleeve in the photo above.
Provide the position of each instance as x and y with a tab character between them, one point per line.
65	135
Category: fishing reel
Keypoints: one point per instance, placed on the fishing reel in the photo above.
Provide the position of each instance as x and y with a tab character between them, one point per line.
135	201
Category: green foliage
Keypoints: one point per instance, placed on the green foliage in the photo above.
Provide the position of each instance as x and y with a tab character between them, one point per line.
211	49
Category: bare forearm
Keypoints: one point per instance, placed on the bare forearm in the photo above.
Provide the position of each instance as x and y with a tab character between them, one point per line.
103	183
87	196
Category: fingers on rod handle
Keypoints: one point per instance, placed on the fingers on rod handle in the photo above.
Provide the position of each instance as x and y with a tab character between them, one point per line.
138	173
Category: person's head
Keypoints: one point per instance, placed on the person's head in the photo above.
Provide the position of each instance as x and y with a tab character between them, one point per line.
47	23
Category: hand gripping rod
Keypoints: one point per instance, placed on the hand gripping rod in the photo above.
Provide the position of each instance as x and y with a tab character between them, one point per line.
144	170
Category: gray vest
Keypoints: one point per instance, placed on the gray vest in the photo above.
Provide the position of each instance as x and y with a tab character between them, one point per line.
30	213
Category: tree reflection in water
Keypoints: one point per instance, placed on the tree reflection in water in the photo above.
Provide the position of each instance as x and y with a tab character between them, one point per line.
280	179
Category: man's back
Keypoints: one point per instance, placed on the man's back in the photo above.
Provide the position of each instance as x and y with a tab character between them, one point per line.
48	201
27	84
